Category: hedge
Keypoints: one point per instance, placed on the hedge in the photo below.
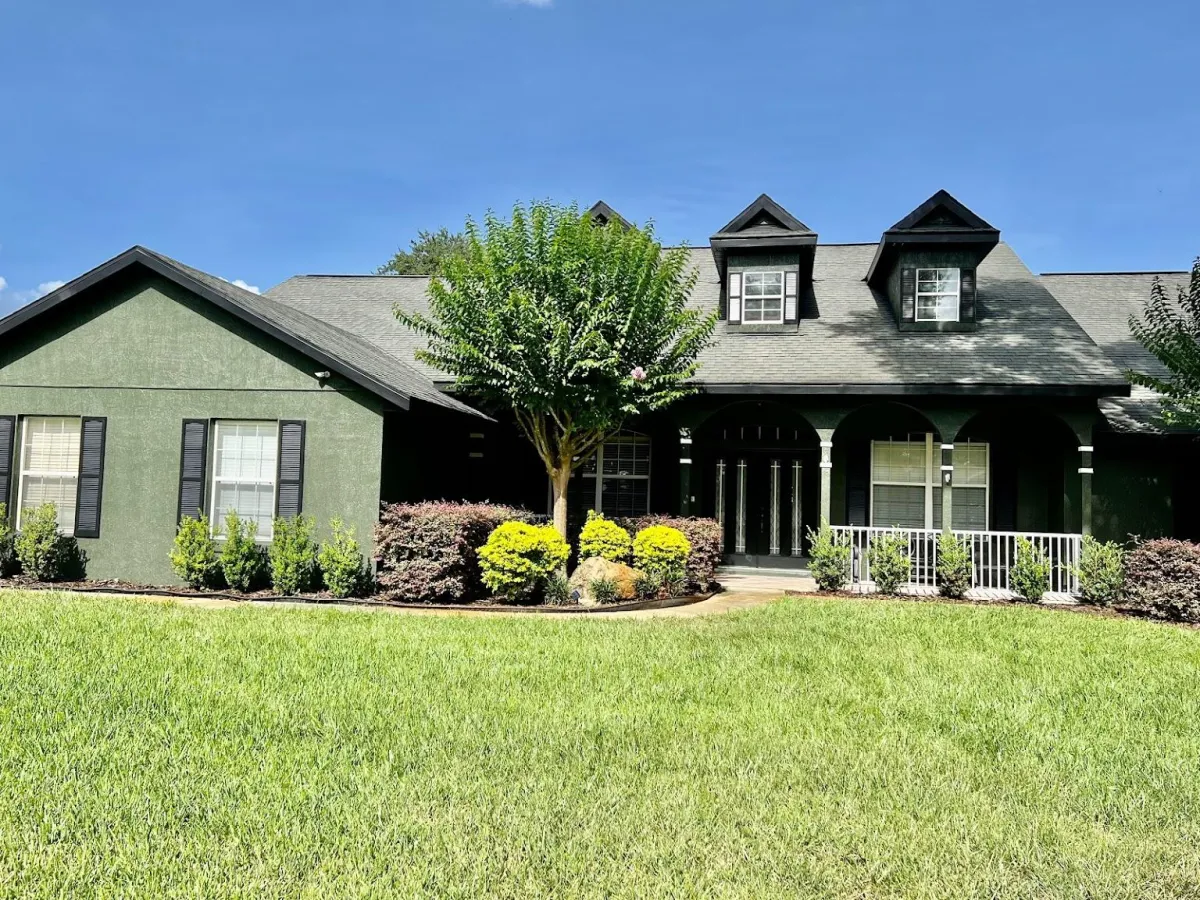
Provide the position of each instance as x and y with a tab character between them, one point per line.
703	534
1162	578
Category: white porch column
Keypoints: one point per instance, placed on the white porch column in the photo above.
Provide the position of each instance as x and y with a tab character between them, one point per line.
947	481
1086	452
826	435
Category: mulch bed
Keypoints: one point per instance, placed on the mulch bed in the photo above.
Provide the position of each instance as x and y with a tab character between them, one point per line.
324	599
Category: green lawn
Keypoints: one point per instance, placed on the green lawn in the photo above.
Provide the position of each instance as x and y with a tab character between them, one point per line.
845	748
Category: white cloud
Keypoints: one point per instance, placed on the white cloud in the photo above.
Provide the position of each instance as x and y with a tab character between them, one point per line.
3	283
252	288
47	286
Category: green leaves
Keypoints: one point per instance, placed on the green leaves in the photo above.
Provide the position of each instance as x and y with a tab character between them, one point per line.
574	326
1170	329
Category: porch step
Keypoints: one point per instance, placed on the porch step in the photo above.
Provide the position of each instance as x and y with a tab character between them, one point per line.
744	579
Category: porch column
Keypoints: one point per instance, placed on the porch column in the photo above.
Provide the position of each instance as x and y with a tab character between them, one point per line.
686	499
826	435
947	480
1085	487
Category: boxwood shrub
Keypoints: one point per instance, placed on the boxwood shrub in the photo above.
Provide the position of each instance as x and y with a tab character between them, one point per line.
662	551
1162	578
429	552
705	538
45	553
604	538
518	559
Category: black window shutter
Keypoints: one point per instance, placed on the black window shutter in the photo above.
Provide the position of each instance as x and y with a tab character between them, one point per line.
289	493
908	295
966	304
91	477
8	432
193	460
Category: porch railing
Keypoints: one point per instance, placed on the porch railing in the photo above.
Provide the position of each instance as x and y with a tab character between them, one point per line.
992	555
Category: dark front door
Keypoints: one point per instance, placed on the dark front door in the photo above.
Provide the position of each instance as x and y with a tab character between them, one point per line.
761	506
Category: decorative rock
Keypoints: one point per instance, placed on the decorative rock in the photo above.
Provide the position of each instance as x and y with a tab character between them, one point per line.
595	568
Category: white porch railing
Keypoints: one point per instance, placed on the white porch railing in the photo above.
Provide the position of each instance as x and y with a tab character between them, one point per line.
992	555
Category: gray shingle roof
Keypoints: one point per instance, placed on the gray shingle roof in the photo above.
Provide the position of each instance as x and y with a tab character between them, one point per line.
1025	337
1102	303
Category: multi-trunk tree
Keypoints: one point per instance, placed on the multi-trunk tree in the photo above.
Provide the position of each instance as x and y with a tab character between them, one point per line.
1169	327
573	326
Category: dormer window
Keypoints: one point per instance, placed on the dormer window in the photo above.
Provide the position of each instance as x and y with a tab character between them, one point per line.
763	292
938	294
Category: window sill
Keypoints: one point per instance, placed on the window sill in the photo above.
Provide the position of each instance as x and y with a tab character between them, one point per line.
762	327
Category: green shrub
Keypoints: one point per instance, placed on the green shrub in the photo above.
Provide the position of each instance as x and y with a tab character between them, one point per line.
293	555
242	560
604	590
45	553
556	591
9	565
1030	572
341	562
194	557
604	538
953	566
888	558
829	558
706	537
662	551
647	586
1101	571
518	558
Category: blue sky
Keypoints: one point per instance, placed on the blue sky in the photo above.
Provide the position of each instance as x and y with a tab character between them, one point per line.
259	140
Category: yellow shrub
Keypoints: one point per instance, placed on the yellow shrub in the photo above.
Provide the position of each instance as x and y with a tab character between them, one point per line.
518	558
604	538
662	552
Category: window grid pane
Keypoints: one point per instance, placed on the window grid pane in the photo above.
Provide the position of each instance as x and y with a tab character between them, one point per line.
50	467
245	458
762	297
937	295
624	476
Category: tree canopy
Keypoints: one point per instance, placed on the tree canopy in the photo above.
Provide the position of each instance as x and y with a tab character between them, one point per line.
1169	328
425	254
573	326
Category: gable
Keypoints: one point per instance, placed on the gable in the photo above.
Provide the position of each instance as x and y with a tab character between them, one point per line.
142	331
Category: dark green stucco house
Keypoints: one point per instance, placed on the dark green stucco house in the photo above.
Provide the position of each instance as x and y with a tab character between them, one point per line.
924	380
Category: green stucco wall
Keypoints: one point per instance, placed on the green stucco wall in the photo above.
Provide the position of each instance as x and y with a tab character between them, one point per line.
146	355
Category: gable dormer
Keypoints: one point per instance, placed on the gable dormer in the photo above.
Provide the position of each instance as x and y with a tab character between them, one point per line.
602	214
926	263
765	258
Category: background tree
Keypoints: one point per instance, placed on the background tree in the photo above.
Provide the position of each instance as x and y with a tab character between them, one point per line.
1170	329
573	326
425	254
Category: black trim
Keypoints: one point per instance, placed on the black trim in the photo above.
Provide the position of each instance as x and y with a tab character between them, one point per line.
771	208
90	483
193	471
289	475
8	439
910	390
603	214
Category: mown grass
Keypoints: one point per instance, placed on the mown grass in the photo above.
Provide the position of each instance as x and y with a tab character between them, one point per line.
826	748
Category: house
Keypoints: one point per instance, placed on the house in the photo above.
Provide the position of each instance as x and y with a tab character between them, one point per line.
926	379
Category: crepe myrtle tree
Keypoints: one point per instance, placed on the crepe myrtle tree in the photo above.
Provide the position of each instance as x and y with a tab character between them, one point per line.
1169	328
573	326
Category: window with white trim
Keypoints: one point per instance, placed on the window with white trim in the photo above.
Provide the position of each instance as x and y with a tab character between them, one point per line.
762	297
50	467
906	484
245	469
938	293
618	476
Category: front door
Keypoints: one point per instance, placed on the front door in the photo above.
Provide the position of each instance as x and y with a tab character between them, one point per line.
760	504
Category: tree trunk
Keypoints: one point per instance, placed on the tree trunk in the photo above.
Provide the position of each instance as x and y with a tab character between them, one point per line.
560	478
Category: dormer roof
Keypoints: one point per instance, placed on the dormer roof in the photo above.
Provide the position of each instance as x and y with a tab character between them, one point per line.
763	225
602	214
939	220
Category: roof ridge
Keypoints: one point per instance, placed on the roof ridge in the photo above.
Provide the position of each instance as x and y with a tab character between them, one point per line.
1098	274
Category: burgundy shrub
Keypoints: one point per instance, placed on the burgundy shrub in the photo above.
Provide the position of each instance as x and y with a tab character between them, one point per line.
426	552
1162	578
704	535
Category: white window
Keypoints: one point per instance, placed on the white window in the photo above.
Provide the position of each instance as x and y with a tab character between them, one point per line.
906	485
245	468
937	295
618	475
50	467
762	297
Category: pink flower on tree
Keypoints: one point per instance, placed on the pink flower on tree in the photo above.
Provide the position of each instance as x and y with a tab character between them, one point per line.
638	374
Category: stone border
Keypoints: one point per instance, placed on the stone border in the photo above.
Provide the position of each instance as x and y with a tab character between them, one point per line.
363	602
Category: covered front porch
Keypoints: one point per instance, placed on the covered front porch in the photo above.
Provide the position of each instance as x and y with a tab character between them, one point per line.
770	469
